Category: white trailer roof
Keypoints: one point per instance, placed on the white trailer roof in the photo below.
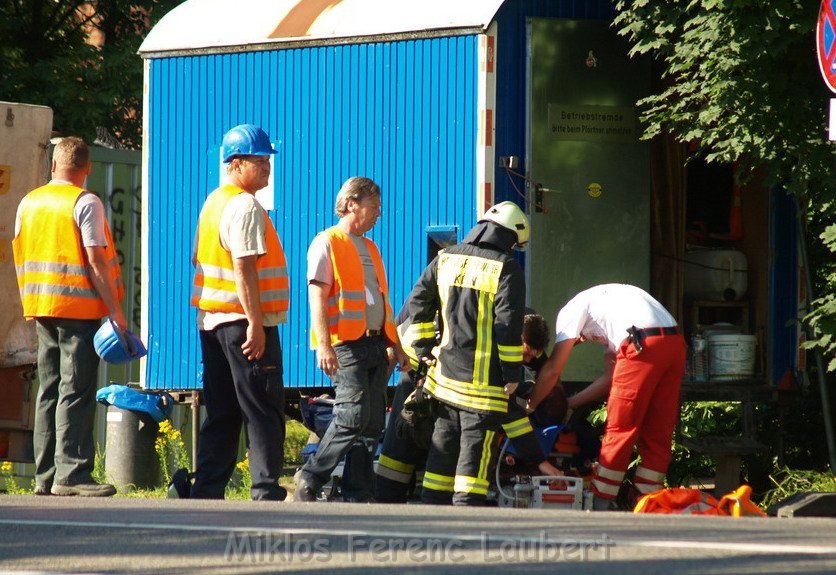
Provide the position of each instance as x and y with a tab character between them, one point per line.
214	24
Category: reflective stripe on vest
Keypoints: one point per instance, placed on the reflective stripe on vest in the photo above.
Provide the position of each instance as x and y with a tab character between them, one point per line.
51	263
347	298
214	288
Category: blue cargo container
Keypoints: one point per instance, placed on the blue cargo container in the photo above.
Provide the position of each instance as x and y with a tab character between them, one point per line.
423	97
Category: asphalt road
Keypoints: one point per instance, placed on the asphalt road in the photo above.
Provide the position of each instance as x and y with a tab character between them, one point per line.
120	535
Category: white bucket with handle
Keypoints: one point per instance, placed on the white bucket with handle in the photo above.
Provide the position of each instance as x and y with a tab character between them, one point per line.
731	356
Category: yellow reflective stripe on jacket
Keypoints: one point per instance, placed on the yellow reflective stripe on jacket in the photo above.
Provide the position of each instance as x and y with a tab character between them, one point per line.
406	342
437	482
418	331
484	339
467	388
518	427
463	400
510	353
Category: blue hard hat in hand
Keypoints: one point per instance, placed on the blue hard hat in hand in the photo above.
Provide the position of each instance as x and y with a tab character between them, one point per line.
116	346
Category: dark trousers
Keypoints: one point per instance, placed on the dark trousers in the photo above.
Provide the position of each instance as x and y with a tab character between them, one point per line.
461	457
400	457
359	414
237	390
66	404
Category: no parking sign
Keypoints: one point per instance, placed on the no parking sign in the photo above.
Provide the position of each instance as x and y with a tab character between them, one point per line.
826	49
826	42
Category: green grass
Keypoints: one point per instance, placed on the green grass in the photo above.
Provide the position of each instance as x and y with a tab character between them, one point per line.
788	482
175	455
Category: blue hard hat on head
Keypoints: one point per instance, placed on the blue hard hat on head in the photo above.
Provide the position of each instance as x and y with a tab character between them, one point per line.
115	346
246	140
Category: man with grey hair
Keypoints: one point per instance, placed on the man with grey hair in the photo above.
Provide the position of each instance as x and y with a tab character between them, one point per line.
69	278
352	327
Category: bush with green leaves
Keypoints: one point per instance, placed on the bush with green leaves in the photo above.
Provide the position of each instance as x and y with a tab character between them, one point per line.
822	320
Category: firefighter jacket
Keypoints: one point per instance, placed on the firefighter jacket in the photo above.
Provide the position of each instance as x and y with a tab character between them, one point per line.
347	298
478	289
51	264
409	336
214	279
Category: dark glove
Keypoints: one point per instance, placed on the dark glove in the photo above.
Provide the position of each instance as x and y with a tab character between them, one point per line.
417	419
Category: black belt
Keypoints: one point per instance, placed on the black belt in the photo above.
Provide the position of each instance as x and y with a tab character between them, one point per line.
636	335
373	332
651	331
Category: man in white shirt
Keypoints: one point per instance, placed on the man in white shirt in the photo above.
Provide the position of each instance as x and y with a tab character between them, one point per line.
643	367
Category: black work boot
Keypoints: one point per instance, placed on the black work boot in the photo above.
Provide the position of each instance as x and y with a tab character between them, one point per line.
304	491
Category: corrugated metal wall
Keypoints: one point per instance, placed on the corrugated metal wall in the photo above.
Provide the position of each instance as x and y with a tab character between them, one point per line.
402	113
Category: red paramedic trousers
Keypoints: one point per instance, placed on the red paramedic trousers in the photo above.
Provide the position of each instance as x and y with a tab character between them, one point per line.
643	407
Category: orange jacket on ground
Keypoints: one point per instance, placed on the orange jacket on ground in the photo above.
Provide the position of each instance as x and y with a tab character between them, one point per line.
686	501
347	298
214	280
51	263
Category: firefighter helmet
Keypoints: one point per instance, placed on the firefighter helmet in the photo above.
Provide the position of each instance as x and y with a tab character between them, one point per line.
246	140
510	216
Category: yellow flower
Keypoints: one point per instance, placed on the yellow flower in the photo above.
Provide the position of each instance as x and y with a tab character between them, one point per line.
244	465
6	467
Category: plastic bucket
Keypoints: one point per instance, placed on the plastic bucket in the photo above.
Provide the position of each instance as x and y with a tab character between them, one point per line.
731	356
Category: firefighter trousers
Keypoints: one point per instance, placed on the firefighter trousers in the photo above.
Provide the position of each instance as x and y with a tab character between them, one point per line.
461	456
401	460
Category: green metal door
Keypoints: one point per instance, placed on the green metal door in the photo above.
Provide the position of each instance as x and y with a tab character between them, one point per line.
591	225
115	178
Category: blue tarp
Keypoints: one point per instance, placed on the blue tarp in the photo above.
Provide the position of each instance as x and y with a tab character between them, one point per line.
156	404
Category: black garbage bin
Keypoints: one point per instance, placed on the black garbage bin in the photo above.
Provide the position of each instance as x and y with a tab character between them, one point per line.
130	458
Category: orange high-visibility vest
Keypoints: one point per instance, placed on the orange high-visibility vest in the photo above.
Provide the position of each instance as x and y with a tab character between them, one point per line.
347	298
51	263
214	278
